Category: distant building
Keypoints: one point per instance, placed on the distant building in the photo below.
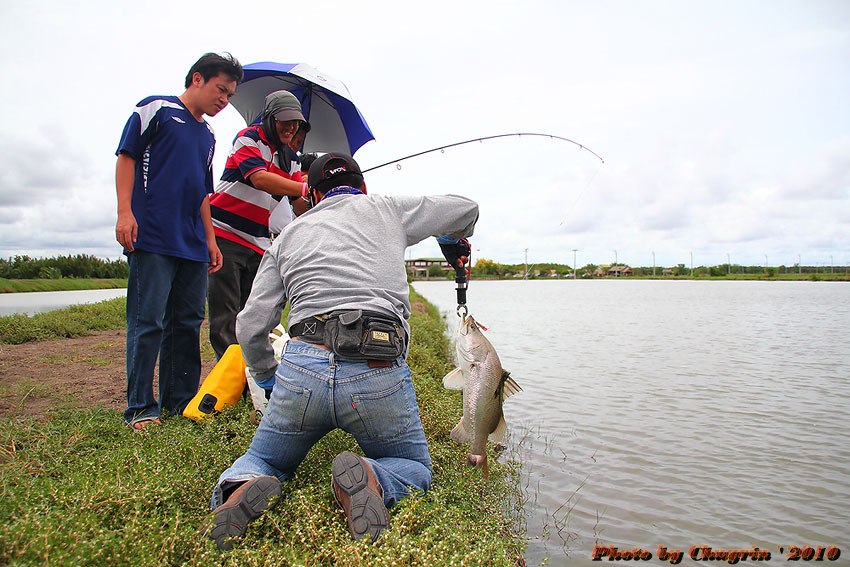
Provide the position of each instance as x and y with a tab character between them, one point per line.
619	271
418	267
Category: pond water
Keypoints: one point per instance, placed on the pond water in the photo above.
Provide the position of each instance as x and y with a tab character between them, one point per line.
674	413
40	301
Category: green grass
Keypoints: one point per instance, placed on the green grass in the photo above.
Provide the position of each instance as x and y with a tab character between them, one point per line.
74	321
81	488
60	284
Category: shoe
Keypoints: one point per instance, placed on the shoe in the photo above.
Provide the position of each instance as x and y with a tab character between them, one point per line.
358	492
244	505
141	423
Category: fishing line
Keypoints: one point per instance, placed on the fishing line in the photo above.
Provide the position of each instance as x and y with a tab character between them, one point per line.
518	134
578	197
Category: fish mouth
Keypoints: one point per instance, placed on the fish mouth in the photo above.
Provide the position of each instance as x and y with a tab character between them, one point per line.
467	325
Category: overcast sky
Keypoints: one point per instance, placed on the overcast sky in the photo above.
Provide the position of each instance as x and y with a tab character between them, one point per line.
724	125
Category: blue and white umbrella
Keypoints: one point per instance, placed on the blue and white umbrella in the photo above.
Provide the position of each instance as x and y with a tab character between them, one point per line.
336	124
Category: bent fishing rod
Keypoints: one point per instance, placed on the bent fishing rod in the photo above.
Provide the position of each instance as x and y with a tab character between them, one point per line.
518	134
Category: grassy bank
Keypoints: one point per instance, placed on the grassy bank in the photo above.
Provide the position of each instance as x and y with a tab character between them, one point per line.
74	321
82	488
781	277
789	277
60	284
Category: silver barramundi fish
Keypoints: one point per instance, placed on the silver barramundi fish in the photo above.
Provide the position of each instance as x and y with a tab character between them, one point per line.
485	386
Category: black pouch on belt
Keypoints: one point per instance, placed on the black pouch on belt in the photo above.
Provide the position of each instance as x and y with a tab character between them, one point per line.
363	335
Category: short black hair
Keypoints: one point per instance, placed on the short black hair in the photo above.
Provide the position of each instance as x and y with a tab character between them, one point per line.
307	160
211	64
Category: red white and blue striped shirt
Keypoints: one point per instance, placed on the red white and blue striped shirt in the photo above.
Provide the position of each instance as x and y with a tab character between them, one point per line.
240	211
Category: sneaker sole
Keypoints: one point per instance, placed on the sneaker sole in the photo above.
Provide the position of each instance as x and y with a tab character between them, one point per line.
232	521
367	513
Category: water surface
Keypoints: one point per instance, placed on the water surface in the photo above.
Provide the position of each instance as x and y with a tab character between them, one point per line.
39	301
674	413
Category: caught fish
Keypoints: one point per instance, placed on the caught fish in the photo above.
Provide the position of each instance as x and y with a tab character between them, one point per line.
485	386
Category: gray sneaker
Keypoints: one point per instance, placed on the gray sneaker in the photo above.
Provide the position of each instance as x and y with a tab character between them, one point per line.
244	505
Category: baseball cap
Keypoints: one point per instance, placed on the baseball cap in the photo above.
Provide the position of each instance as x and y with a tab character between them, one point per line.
283	106
334	170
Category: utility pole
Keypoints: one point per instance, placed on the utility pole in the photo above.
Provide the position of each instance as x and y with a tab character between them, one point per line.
799	264
653	264
574	263
525	266
728	264
831	265
692	264
615	257
765	262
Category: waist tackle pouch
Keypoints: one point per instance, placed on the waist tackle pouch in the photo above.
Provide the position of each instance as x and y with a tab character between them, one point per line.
361	335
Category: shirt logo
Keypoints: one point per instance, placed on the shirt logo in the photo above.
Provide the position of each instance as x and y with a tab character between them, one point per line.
178	119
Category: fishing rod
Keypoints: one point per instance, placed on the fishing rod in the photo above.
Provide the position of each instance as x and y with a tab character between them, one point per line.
519	134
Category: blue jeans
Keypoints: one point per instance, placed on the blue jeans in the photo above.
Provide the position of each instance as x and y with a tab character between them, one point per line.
165	309
315	392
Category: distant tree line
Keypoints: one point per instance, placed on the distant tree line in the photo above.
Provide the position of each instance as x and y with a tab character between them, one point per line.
731	269
488	268
77	266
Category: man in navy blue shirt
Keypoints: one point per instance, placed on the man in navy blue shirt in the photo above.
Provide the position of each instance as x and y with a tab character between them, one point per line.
163	180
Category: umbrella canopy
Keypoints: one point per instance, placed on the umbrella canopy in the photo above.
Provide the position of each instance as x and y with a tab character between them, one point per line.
336	125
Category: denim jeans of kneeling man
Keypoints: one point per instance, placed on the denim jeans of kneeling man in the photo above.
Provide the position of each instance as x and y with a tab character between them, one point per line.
315	392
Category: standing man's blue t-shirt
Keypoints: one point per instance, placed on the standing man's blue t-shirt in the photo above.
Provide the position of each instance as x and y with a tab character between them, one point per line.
173	154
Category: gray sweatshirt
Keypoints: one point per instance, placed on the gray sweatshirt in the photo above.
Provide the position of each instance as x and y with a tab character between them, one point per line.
347	252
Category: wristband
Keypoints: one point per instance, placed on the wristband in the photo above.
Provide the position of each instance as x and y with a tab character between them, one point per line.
303	190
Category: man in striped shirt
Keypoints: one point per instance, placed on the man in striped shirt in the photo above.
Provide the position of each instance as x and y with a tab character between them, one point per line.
255	181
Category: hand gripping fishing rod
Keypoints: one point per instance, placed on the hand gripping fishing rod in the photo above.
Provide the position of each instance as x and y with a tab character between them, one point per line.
518	134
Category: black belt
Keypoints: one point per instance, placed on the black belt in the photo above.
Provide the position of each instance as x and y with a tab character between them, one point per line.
311	330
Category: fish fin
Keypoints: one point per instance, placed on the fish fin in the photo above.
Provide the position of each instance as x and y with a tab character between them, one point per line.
459	433
507	386
454	380
498	435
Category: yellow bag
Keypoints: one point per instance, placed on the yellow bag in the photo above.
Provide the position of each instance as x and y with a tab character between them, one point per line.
222	387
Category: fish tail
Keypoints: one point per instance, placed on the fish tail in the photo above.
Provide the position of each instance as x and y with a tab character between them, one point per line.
481	462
